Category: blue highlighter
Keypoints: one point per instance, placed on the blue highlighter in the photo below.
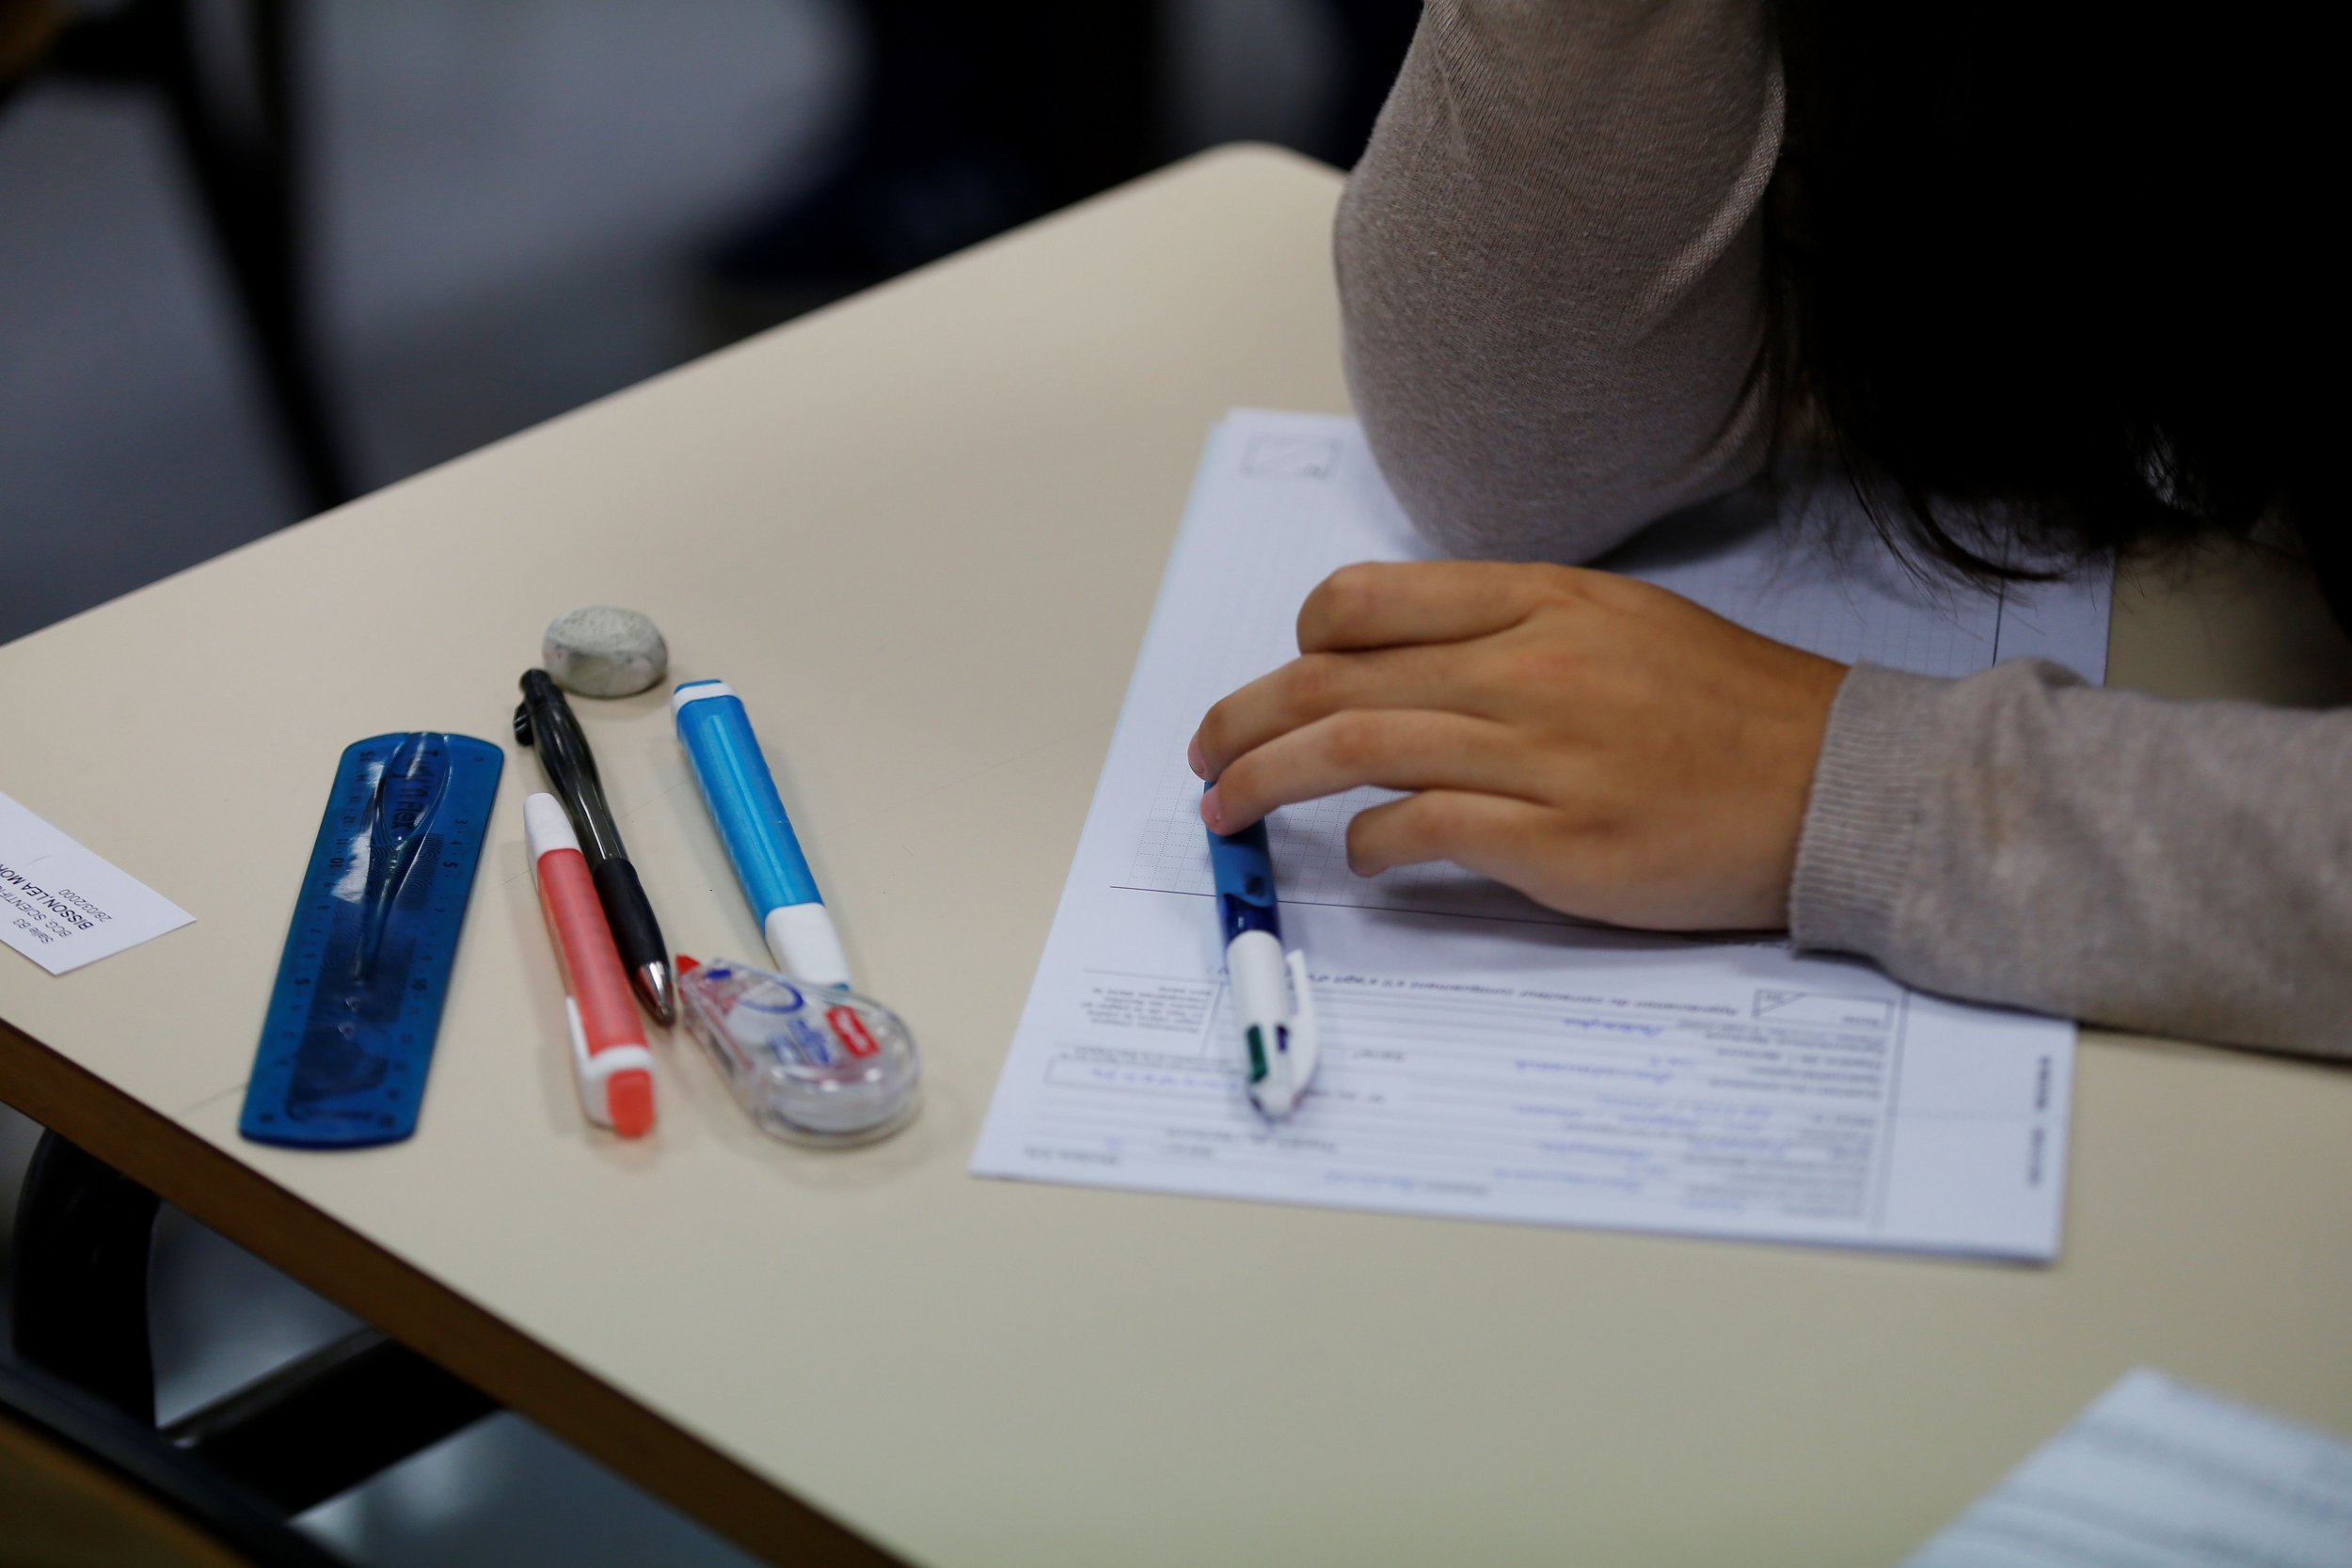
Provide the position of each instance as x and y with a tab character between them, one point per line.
741	794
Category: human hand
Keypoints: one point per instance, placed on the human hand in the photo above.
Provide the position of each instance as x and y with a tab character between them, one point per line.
1608	747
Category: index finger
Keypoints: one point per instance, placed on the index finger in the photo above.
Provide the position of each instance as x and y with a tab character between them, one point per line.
1378	604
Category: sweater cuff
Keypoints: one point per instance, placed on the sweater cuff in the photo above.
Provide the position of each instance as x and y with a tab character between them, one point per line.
1855	852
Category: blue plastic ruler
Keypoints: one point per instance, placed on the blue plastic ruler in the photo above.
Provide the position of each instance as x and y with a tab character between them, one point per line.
349	1032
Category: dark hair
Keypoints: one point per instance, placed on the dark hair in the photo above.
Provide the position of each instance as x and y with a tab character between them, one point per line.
2051	279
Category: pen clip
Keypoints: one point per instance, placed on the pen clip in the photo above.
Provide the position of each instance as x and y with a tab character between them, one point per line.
1299	1049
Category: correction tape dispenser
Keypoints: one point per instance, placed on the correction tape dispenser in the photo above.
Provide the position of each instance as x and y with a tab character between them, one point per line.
815	1064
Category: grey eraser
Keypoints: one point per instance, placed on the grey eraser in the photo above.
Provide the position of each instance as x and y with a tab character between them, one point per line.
603	651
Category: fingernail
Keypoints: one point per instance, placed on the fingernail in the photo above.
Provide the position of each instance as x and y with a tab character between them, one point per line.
1200	764
1212	810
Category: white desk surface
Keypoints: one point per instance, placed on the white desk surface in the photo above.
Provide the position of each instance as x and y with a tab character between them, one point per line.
921	533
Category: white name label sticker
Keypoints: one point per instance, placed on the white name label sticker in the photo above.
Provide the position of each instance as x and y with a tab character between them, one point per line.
63	907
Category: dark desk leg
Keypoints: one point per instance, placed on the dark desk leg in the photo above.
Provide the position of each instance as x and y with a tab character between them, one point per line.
305	1432
243	158
247	172
80	1285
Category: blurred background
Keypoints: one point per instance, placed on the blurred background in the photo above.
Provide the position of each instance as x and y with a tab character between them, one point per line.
260	256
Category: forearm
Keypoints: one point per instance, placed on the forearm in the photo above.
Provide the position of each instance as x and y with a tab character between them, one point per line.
1550	268
2178	868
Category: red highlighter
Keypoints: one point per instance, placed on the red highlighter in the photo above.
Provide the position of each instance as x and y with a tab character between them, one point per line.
609	1061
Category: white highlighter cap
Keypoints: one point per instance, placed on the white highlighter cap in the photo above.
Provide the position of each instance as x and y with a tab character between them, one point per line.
801	939
546	827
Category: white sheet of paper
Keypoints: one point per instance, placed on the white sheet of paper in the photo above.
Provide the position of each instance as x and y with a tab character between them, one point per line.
2158	1474
1484	1057
63	907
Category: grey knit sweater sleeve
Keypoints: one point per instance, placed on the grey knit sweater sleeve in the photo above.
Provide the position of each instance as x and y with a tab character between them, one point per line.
2181	868
1550	267
1552	280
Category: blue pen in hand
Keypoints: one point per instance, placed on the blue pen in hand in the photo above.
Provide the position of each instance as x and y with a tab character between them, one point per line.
741	794
1271	995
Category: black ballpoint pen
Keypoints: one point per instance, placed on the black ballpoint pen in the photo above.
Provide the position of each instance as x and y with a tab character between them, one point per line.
543	721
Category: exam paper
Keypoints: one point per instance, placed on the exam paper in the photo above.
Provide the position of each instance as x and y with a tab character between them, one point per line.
2158	1474
63	907
1484	1057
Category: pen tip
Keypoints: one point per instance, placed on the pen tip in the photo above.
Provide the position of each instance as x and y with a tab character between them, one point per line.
656	991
